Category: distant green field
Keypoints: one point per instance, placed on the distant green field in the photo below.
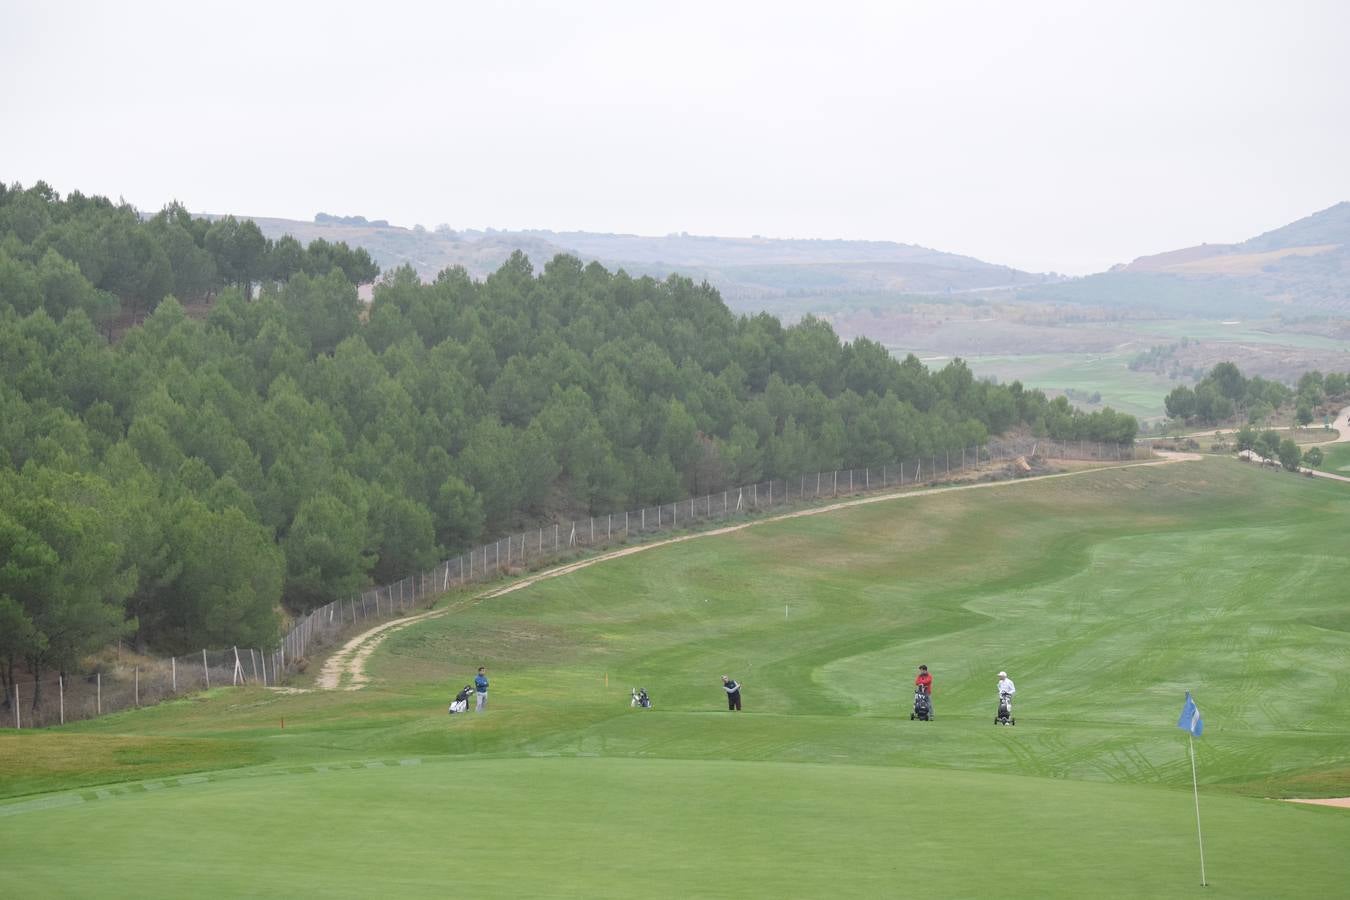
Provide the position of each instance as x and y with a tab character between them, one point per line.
1140	394
1106	595
1249	331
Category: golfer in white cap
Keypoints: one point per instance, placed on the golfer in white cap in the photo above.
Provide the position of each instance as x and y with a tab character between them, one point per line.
1005	685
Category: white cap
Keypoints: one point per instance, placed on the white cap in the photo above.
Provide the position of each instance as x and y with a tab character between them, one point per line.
1002	674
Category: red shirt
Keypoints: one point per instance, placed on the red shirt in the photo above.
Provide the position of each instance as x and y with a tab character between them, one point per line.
924	681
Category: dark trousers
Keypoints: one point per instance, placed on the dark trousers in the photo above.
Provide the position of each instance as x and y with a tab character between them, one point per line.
734	700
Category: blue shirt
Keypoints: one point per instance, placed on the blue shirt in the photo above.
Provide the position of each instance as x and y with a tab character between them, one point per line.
481	683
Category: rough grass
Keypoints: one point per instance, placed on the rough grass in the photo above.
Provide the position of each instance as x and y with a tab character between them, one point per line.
1106	595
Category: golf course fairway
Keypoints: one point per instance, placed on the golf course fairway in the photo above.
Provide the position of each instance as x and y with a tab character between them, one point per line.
1105	595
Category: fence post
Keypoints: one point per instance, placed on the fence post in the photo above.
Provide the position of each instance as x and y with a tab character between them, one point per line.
173	673
18	722
98	701
834	484
206	670
61	686
137	694
555	535
254	660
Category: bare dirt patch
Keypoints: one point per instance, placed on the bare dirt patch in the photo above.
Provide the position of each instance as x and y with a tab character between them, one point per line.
1342	802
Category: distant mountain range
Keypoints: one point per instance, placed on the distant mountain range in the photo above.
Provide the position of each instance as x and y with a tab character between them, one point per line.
1299	270
750	273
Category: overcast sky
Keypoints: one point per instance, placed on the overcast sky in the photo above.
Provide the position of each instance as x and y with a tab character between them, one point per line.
1043	135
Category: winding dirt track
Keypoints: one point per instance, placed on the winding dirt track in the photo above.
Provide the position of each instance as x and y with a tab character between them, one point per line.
346	668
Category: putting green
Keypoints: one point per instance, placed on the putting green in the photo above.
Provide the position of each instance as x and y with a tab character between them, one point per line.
1106	595
624	828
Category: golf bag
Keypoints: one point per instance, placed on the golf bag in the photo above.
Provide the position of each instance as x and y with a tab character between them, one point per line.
923	706
461	702
1005	712
640	699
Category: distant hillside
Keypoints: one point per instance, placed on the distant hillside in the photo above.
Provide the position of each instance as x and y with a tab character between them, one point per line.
750	273
1300	269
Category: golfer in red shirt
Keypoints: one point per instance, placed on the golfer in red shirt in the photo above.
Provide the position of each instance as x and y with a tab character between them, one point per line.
924	681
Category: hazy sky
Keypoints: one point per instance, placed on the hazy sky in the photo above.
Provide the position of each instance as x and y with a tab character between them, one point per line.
1044	135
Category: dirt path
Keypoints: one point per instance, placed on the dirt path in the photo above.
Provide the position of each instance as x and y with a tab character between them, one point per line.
1342	427
350	658
348	664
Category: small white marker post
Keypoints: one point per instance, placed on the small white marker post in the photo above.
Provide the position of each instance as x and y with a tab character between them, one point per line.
1195	787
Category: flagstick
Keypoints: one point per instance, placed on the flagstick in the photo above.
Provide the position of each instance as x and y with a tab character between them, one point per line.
1195	786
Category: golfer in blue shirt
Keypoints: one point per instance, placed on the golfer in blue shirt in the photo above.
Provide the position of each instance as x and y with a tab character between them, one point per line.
480	686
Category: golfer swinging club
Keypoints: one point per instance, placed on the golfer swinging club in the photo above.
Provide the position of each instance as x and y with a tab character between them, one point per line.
733	689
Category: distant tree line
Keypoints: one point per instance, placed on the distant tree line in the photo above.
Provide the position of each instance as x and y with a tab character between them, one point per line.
327	219
59	254
179	485
1225	394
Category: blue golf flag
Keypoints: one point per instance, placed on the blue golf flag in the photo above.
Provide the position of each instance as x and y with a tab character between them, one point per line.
1190	717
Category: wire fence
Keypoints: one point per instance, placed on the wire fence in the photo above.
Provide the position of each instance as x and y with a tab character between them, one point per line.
138	681
151	680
